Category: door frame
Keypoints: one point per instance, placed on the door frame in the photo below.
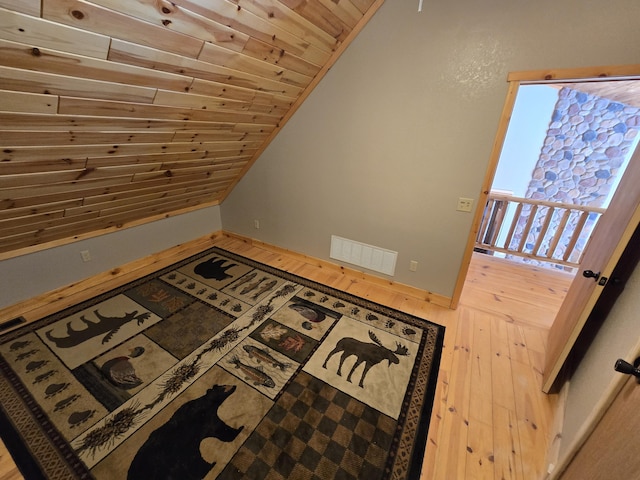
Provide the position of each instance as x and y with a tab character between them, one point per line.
515	79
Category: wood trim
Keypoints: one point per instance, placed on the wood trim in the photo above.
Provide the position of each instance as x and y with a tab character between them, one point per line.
592	421
619	72
307	91
503	125
400	288
96	233
544	203
35	308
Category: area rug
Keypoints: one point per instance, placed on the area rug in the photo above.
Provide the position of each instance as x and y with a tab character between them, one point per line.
220	367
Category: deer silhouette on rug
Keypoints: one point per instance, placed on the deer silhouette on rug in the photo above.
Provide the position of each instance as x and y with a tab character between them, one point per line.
172	451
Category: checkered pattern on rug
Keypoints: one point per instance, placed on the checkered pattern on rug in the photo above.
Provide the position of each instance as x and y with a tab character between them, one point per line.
315	432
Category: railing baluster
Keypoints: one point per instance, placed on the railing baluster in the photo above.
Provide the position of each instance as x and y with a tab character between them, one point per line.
486	221
527	228
501	210
559	231
543	231
512	229
576	235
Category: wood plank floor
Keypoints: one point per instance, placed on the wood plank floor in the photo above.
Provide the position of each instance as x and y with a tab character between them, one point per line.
490	419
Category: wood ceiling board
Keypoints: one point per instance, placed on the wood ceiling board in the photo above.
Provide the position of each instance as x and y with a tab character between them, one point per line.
31	210
257	28
174	19
99	107
93	18
623	91
278	14
47	34
27	103
30	7
321	16
51	84
13	138
56	122
20	55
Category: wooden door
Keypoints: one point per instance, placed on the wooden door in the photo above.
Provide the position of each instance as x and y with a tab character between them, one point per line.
605	247
611	451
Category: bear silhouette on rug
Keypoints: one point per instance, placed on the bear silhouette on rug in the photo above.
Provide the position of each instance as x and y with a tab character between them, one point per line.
172	451
214	268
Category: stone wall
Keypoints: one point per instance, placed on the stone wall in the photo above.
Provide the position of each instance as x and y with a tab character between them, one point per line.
585	150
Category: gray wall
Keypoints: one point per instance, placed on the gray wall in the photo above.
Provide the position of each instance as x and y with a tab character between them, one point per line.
29	275
404	123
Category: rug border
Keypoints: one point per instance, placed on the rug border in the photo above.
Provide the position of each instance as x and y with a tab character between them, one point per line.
417	457
29	466
26	463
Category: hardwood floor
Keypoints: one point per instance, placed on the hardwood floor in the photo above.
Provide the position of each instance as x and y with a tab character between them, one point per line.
490	419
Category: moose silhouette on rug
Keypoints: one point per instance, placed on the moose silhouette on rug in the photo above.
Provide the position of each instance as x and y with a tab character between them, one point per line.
368	353
172	451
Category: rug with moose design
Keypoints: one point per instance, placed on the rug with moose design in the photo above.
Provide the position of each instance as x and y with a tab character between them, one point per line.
220	367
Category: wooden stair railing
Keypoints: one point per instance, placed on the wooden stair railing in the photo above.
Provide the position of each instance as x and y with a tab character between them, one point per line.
536	229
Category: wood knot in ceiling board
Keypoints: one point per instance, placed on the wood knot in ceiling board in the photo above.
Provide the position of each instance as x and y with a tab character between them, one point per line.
77	14
35	52
166	22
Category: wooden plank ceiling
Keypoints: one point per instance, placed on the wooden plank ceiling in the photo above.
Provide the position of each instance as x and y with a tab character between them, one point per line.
114	112
623	91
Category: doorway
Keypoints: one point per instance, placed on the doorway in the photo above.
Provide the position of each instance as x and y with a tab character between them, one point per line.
609	247
565	150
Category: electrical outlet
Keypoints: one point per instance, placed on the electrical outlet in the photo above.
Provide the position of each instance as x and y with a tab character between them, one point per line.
86	256
465	204
413	265
256	224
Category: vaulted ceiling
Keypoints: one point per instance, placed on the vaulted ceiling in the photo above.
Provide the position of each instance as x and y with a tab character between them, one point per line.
114	112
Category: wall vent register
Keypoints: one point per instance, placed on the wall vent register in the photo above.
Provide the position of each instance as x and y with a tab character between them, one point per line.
367	256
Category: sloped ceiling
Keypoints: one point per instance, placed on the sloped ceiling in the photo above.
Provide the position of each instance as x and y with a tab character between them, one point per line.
114	112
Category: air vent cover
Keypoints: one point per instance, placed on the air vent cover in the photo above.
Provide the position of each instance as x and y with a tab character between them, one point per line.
367	256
